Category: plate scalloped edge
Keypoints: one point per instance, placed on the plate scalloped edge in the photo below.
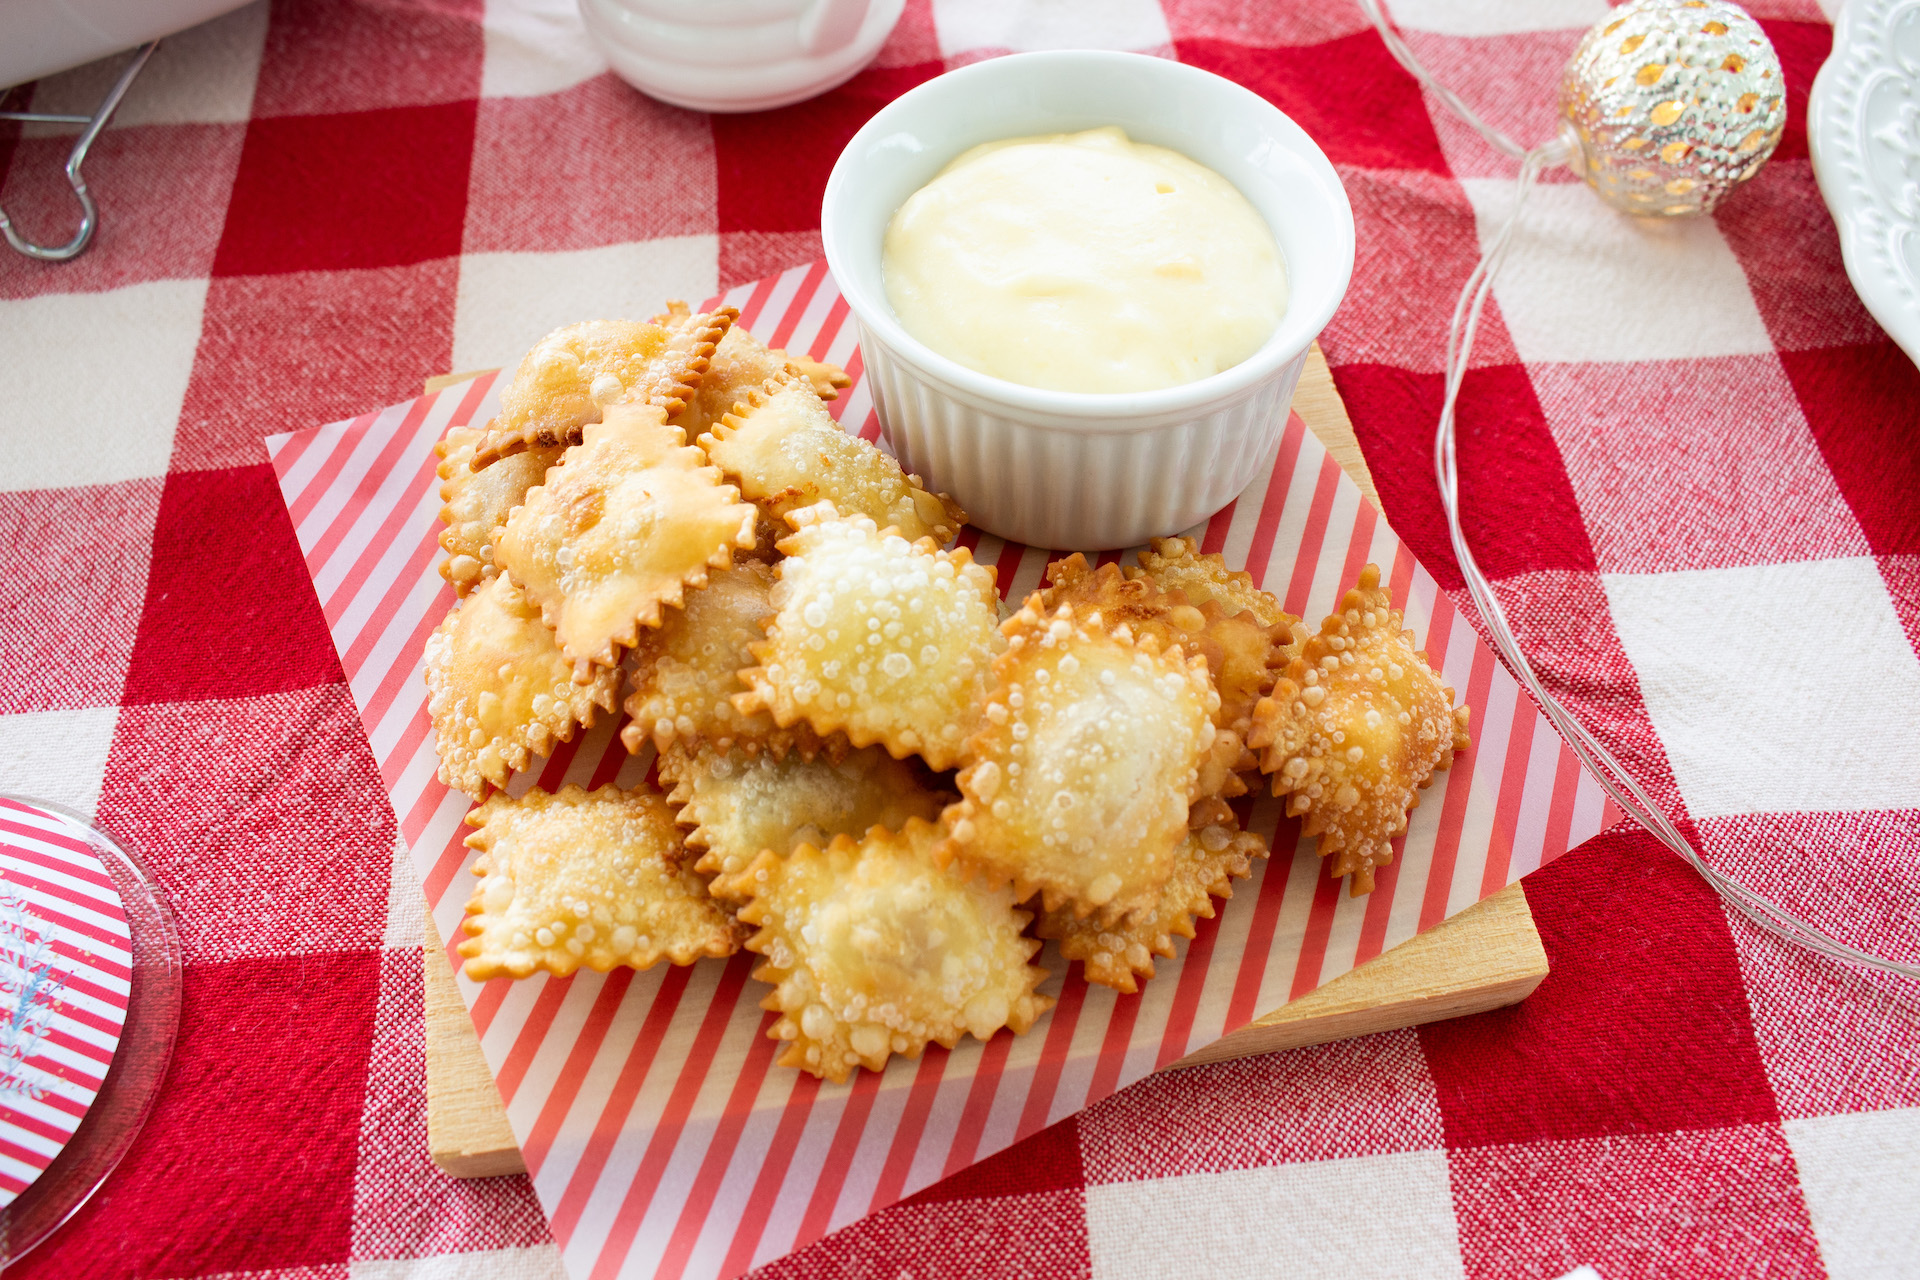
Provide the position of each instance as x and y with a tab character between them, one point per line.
1863	129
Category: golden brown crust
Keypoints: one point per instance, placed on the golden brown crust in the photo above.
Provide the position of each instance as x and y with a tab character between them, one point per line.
684	675
767	533
874	950
1244	655
1120	954
622	527
884	640
739	365
571	376
1085	766
1357	726
1175	564
477	503
584	879
499	690
1251	655
785	451
827	380
1137	602
740	805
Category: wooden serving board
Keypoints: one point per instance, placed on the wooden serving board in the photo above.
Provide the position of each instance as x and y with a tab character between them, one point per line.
1486	957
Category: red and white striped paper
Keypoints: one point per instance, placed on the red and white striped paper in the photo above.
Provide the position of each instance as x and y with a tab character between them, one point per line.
66	970
660	1137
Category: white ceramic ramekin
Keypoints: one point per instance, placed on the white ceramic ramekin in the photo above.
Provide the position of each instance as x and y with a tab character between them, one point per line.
1067	469
738	55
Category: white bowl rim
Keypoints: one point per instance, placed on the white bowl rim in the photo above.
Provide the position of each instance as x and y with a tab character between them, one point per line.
1094	407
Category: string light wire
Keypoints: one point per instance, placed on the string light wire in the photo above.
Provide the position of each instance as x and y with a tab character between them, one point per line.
1597	759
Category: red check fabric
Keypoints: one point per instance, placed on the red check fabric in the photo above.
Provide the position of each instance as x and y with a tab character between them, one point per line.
1689	462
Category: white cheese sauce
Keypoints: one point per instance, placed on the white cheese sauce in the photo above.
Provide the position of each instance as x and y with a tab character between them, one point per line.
1084	262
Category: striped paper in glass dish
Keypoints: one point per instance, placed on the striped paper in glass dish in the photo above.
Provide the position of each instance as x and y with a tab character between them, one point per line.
66	981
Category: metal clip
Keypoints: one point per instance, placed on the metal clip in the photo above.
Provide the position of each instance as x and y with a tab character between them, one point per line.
89	216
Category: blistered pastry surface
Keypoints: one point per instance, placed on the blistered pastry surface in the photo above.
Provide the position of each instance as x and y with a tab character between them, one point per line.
1244	655
886	640
786	452
581	879
1119	953
874	950
1177	564
476	504
574	374
739	805
630	518
685	671
499	690
1357	727
1083	772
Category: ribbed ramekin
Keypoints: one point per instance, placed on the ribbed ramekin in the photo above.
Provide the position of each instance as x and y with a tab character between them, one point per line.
1068	469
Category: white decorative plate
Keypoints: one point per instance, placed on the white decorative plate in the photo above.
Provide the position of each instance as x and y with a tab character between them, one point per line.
1863	127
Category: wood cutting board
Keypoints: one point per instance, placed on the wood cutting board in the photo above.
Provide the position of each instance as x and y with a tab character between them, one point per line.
1486	957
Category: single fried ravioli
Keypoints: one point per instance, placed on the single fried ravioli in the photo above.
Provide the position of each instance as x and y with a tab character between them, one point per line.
886	640
499	690
629	519
786	452
685	672
874	950
740	805
585	879
1120	954
477	503
1359	724
1083	773
574	374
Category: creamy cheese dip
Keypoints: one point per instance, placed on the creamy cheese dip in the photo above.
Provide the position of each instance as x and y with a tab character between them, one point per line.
1084	262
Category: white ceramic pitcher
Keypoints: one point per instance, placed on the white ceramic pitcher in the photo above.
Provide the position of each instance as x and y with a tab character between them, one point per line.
738	55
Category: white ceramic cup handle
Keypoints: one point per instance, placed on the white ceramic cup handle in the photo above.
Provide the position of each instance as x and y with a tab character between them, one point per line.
830	25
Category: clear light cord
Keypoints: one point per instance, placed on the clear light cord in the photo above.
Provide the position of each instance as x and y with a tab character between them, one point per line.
1404	56
1600	762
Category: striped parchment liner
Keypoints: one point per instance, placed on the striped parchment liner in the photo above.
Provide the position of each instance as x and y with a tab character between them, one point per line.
660	1137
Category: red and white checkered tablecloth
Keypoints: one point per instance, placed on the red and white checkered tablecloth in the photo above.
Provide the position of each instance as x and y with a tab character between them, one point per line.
1691	462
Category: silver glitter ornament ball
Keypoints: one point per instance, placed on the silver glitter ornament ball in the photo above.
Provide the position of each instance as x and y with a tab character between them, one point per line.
1670	104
